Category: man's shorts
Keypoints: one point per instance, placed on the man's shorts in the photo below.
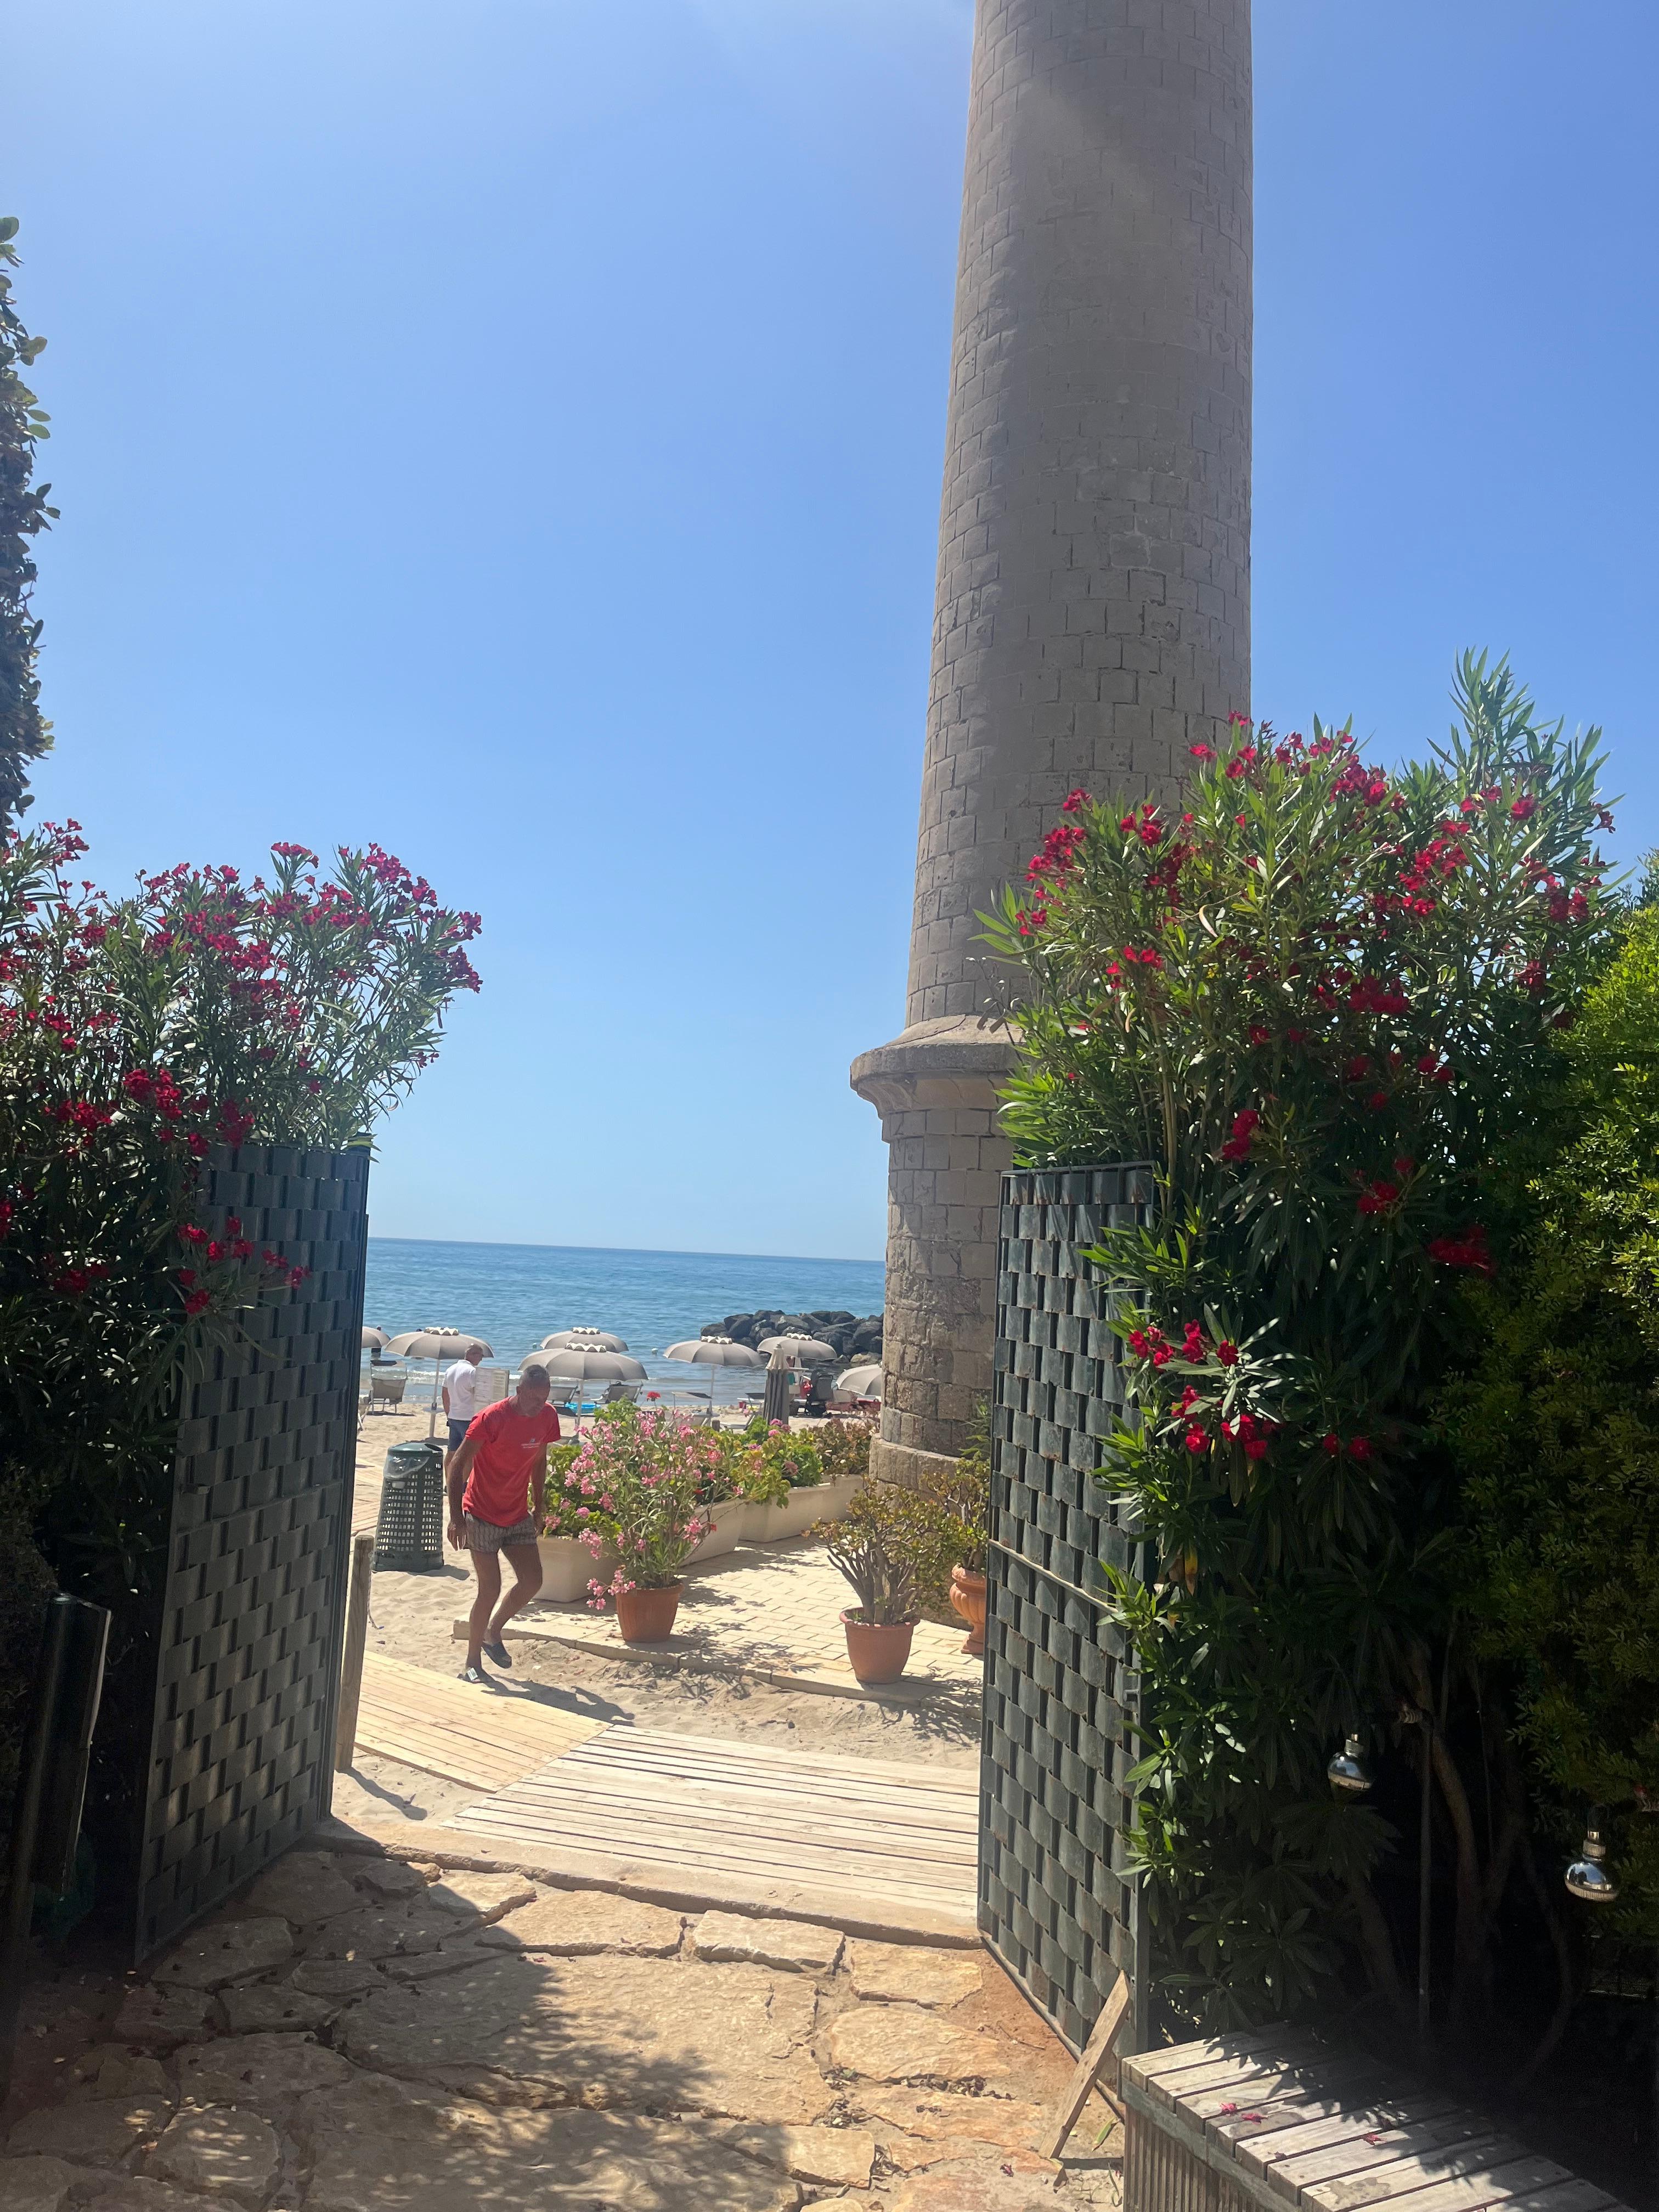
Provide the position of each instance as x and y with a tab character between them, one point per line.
485	1536
457	1432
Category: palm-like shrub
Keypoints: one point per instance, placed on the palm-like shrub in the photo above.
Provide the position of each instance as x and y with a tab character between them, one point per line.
1322	1000
873	1547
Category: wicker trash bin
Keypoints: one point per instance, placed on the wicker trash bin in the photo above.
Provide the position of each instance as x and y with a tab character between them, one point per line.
409	1532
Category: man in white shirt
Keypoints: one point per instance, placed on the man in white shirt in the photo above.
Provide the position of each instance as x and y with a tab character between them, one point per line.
461	1393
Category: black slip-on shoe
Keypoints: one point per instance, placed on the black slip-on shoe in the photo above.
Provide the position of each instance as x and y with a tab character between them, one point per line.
497	1652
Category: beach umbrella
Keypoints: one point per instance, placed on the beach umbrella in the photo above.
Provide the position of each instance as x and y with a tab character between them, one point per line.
713	1352
375	1339
863	1382
775	1406
437	1345
802	1351
581	1364
586	1339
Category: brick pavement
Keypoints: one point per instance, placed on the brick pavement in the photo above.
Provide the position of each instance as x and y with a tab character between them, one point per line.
766	1610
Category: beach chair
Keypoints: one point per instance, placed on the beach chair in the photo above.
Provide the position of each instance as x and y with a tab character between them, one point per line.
386	1391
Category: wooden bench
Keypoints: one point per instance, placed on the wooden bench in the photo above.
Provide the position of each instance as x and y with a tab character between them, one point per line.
1260	2122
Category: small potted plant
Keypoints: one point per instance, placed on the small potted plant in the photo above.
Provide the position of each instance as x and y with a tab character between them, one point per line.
869	1547
646	1469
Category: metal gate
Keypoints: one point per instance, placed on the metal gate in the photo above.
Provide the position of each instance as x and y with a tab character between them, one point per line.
1061	1692
248	1669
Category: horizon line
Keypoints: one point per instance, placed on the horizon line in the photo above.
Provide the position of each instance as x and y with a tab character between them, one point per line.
641	1251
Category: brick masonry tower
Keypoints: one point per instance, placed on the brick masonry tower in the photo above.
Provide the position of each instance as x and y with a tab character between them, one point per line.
1092	615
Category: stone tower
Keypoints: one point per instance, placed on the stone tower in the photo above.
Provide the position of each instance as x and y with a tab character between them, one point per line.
1092	613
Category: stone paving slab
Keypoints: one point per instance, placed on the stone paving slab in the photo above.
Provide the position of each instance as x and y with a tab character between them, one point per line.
768	1612
633	2068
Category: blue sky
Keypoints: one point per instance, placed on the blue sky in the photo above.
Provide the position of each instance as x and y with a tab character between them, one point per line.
510	429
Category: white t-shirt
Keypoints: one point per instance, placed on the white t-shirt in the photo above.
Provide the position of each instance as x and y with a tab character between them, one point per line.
461	1382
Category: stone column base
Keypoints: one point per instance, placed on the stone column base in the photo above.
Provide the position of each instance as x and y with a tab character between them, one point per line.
935	1089
907	1467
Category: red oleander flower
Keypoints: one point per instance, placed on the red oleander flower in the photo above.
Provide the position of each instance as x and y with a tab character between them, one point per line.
1360	1448
1073	800
1202	752
1196	1441
1467	1251
1524	809
1227	1353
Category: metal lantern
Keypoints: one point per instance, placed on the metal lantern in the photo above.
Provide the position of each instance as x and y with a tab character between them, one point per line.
1347	1773
1587	1877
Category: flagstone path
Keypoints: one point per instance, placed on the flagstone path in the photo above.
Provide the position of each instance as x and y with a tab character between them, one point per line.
360	2032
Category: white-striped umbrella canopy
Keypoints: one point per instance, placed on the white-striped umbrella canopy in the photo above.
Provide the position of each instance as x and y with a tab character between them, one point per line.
576	1363
588	1339
801	1351
437	1344
862	1381
375	1339
713	1352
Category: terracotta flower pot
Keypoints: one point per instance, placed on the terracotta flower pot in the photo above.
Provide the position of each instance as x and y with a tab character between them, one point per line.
646	1616
968	1598
878	1653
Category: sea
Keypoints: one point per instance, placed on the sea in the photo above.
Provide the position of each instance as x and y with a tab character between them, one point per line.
514	1294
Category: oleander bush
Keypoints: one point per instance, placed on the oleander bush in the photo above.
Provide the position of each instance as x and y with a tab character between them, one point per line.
136	1035
1333	1007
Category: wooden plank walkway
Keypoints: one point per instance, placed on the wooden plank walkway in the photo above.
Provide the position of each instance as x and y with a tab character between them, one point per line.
700	1805
443	1726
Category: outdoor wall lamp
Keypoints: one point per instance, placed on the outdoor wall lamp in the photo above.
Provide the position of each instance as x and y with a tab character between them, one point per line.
1587	1877
1347	1773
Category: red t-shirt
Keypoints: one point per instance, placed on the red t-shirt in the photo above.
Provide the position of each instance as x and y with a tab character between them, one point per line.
508	1441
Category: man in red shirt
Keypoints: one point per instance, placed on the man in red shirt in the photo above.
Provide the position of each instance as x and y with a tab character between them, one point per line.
493	1473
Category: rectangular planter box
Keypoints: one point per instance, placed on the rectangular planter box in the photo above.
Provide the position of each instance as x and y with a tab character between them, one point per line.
568	1566
823	1501
730	1527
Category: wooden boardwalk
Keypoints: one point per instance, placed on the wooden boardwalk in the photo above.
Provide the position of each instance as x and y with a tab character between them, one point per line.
443	1726
700	1805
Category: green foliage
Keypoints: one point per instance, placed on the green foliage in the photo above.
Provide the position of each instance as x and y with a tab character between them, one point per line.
763	1463
24	735
1322	1001
1553	1422
947	1524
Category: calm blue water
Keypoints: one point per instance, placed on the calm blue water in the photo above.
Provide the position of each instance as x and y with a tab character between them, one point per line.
514	1294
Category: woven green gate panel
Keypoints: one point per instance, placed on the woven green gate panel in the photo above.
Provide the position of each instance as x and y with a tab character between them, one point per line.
1061	1693
251	1632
